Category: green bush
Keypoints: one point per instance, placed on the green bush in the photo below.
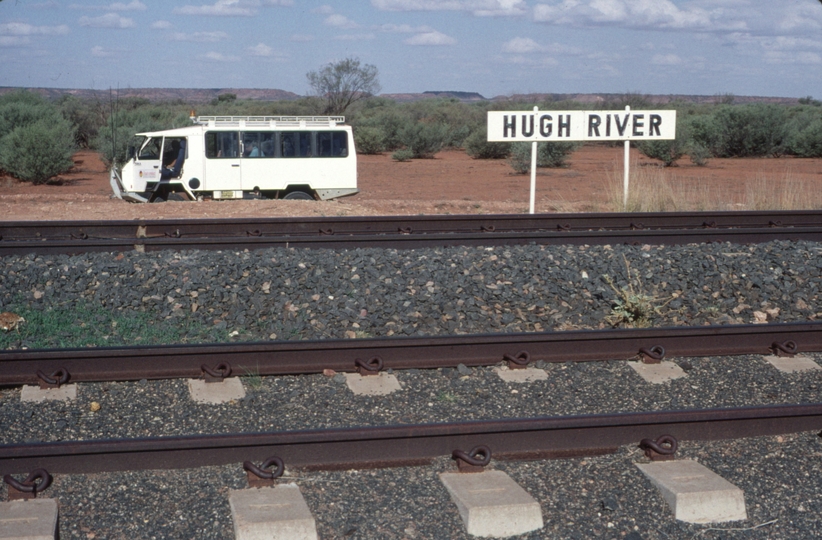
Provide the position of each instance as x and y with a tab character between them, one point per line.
369	140
478	147
425	140
807	142
39	151
114	139
549	154
555	154
699	154
402	155
751	130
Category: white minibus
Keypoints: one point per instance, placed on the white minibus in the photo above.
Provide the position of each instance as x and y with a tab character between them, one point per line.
235	157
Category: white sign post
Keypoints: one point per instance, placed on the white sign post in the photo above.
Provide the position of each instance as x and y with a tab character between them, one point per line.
565	126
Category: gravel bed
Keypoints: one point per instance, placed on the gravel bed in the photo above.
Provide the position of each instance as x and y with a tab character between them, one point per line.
581	498
164	408
285	294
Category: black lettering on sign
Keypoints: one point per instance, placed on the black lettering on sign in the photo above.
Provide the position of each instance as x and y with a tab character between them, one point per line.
545	125
566	125
593	125
656	121
621	127
530	130
509	126
608	125
638	125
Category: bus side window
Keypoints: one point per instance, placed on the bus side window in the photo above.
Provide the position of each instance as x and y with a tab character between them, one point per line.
339	143
151	151
222	144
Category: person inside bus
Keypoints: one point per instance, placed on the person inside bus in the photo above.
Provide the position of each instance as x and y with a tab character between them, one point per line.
175	168
255	152
171	154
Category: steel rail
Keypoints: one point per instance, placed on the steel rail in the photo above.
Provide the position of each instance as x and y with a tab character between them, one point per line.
20	237
306	357
342	448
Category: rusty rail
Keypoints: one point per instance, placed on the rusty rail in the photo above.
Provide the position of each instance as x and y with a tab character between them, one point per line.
305	357
528	438
404	232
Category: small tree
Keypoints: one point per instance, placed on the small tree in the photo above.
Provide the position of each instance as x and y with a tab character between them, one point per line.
342	83
39	151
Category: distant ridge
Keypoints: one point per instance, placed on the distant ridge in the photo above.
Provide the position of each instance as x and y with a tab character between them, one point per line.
205	95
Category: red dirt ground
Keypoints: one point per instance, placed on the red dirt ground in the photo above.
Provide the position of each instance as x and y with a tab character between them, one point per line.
451	183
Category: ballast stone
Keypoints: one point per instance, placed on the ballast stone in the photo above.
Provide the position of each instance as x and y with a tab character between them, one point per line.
271	513
492	505
34	519
695	493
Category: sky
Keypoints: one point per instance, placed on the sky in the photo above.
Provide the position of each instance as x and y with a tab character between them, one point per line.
493	47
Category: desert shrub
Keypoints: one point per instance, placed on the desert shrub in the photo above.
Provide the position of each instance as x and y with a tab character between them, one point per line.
87	115
478	147
807	142
117	135
698	153
668	151
389	121
751	130
549	154
402	154
38	151
555	154
369	140
18	109
425	140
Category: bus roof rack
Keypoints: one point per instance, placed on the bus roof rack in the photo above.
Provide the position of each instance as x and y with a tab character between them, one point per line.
269	121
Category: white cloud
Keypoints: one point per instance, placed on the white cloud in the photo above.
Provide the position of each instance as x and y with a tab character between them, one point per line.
477	7
521	45
403	29
161	25
134	5
219	57
355	37
278	3
109	20
24	29
339	21
430	38
260	49
801	58
100	52
200	37
666	60
648	14
221	8
19	34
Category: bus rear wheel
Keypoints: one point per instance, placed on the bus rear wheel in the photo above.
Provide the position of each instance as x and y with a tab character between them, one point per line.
299	196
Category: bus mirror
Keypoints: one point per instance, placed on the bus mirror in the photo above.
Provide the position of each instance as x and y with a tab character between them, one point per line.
132	153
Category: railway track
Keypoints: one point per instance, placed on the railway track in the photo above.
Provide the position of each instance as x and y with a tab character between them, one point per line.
314	356
407	232
558	436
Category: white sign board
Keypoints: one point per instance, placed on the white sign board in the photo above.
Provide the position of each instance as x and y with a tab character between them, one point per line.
559	126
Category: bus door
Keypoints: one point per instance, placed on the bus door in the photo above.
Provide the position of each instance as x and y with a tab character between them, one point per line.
223	158
147	164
